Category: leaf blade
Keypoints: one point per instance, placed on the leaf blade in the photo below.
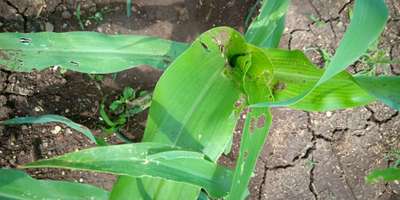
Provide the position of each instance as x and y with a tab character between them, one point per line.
368	22
266	30
294	73
86	52
388	174
146	160
42	119
384	88
16	184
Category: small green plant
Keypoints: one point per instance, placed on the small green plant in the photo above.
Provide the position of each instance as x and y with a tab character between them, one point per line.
391	173
324	53
194	108
97	17
376	59
78	16
127	105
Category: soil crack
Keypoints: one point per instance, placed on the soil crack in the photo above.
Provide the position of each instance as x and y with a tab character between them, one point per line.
311	185
261	186
293	32
340	164
345	6
374	119
278	167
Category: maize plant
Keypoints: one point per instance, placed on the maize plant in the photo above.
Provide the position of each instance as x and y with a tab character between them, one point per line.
194	108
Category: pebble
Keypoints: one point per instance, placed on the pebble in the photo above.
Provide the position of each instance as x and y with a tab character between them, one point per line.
328	114
68	131
38	109
1	24
66	15
56	130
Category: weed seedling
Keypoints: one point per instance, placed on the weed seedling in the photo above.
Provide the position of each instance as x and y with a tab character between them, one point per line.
120	110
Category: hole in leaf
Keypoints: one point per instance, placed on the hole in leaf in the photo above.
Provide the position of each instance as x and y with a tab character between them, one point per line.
261	121
74	62
24	40
245	154
204	45
279	86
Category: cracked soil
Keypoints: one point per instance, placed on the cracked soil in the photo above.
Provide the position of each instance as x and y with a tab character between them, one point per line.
307	155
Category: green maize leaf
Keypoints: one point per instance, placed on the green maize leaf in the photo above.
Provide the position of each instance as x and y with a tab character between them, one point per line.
144	188
86	52
203	196
255	132
17	185
53	118
257	73
250	14
384	88
275	38
294	73
368	22
388	174
266	30
193	107
147	159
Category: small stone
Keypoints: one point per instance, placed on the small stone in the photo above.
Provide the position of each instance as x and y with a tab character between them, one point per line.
88	23
62	173
81	180
49	27
66	15
56	130
68	131
328	114
1	24
45	144
38	109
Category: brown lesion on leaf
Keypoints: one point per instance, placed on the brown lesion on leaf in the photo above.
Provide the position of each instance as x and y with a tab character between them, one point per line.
252	125
279	86
261	121
222	38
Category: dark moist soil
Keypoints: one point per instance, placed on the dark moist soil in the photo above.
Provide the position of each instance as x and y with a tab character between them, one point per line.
307	156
